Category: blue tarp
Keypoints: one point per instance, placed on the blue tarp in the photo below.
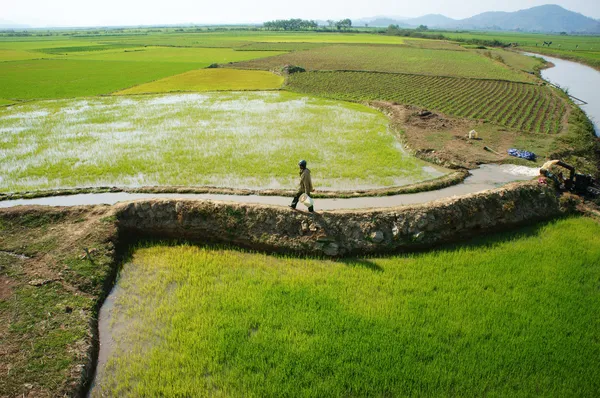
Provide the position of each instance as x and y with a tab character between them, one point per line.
521	154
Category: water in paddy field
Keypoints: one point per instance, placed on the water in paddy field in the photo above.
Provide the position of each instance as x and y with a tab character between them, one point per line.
191	140
582	81
488	176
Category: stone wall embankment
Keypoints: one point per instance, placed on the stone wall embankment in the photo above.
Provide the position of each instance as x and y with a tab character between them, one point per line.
340	233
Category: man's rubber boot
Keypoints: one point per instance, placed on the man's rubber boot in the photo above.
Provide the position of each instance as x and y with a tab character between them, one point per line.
311	209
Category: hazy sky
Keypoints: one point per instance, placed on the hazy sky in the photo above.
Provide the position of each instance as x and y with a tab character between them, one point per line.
137	12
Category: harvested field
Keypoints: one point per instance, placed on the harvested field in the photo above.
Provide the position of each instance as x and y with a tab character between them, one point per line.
444	140
392	59
519	106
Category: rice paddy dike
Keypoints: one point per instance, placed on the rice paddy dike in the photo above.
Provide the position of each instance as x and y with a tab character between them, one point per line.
510	313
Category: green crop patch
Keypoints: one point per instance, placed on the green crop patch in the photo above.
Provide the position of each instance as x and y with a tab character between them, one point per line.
392	59
211	80
585	49
89	48
434	44
519	106
508	315
234	39
201	56
285	46
218	139
41	43
513	59
75	78
18	55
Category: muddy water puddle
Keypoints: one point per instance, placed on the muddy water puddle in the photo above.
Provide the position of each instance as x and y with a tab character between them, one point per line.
483	178
105	336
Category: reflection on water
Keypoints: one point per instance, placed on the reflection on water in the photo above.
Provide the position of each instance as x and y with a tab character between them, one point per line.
582	82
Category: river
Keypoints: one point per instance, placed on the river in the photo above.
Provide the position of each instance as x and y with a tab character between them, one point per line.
580	80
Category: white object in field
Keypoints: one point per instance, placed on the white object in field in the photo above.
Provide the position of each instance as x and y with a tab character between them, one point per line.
306	200
473	134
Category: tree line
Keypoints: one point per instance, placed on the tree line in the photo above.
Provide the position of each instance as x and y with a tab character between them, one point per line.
304	24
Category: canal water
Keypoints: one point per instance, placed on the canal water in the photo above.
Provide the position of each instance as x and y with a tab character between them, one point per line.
580	80
488	176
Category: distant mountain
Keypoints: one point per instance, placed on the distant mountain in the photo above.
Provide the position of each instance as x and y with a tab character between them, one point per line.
431	20
381	21
546	18
4	24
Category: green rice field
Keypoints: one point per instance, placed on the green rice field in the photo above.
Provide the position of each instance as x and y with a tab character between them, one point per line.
53	78
242	38
392	59
95	73
519	106
202	57
227	139
514	315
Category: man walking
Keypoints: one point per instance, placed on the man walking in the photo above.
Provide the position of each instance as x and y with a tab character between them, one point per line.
305	185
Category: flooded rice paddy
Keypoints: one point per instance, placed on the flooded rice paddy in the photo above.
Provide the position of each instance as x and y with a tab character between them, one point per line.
233	139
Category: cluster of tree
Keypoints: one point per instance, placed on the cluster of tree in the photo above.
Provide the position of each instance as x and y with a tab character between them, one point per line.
291	24
395	30
303	24
340	25
486	43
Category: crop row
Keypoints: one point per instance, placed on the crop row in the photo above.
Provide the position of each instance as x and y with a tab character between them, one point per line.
393	59
518	106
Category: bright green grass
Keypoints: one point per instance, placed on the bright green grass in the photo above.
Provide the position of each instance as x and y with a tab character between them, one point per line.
211	80
236	139
5	102
392	59
510	315
519	106
74	78
202	56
